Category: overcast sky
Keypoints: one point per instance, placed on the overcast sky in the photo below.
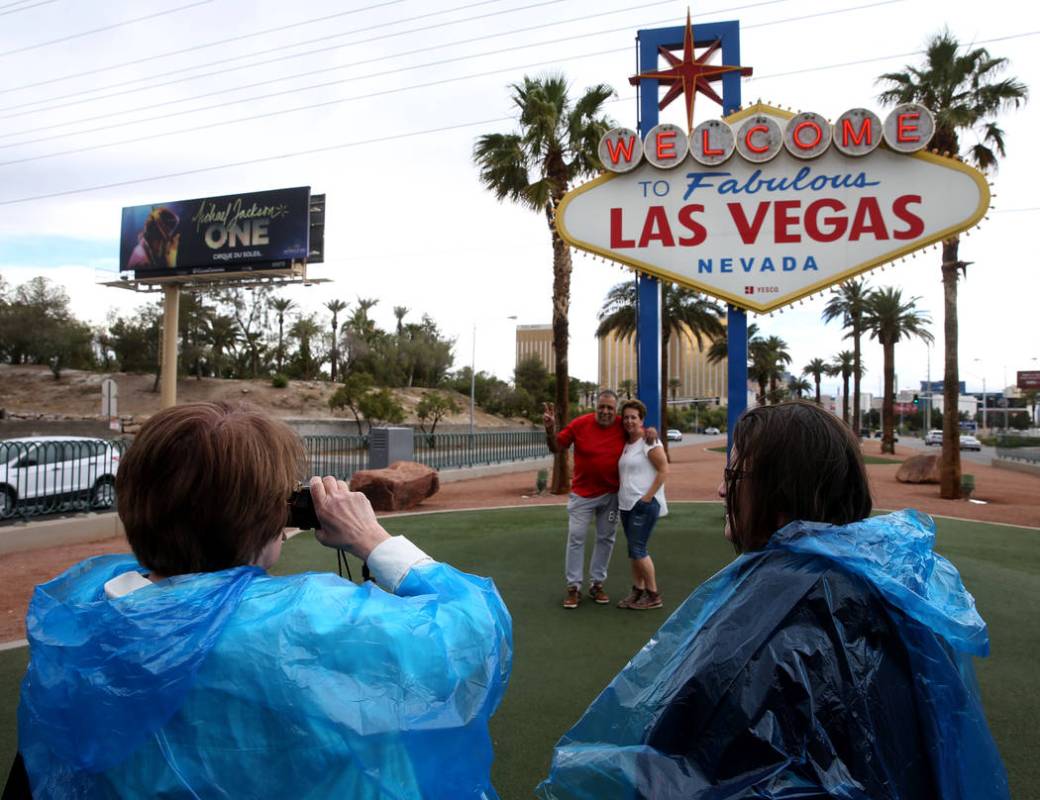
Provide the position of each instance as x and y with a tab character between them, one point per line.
178	100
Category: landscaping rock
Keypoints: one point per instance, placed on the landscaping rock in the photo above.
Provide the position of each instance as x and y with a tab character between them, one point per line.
919	469
402	485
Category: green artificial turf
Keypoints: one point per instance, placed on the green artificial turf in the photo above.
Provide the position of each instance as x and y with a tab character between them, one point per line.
564	658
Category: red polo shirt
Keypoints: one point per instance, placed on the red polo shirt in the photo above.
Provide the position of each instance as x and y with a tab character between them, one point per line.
596	453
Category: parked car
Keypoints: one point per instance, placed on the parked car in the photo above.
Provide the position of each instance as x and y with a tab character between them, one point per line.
933	437
711	431
879	434
969	442
46	471
674	435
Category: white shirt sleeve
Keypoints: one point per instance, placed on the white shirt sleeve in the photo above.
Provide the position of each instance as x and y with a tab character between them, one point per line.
391	560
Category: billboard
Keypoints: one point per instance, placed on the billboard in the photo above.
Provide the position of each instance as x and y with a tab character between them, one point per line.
231	233
1028	379
765	206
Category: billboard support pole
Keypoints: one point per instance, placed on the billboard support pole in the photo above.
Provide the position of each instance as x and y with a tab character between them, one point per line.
168	376
648	315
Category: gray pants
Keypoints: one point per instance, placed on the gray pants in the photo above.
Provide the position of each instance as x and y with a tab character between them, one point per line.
580	512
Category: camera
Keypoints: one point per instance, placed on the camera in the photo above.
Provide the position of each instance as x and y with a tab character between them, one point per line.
301	509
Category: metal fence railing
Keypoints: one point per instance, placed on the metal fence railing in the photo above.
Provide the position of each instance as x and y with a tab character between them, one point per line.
451	450
63	474
340	456
73	474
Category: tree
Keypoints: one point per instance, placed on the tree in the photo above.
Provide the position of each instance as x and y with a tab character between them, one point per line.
281	305
890	319
380	406
774	359
843	366
335	306
684	312
674	384
799	386
556	144
962	91
434	407
817	368
531	376
1031	398
350	394
305	364
627	386
847	303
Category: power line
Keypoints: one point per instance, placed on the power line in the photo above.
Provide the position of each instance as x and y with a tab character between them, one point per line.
262	160
24	8
226	41
391	137
254	98
338	67
92	31
251	65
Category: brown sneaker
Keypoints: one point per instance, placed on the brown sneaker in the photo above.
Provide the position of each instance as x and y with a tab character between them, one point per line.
632	596
572	598
598	595
648	600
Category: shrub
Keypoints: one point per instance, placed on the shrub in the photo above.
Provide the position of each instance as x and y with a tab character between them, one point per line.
279	381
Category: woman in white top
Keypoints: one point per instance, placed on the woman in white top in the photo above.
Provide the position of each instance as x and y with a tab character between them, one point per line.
643	468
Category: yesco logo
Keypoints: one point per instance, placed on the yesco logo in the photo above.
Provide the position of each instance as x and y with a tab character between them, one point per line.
760	138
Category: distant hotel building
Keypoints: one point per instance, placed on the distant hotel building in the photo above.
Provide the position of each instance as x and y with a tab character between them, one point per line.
535	340
697	377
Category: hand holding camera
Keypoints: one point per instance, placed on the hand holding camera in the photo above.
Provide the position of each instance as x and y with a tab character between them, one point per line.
346	518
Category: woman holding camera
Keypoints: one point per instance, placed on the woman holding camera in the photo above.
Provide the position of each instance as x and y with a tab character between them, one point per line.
832	658
642	470
189	671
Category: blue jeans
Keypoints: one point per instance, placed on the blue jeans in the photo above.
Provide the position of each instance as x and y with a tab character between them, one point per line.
639	523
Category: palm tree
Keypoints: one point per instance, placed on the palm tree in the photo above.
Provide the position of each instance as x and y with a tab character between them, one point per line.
962	91
719	352
305	329
674	384
847	302
799	386
817	368
684	312
400	312
843	365
335	306
890	319
281	305
557	143
776	358
627	386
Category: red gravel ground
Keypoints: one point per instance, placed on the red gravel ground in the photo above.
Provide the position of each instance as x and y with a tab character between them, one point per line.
1010	497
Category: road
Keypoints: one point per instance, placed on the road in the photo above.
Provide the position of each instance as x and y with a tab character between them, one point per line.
984	456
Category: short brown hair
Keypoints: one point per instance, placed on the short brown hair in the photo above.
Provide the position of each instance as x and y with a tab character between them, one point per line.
636	404
204	486
794	461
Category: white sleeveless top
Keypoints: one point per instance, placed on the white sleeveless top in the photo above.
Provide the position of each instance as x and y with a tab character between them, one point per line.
637	475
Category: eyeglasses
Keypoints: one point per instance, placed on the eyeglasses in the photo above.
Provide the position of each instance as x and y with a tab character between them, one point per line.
735	474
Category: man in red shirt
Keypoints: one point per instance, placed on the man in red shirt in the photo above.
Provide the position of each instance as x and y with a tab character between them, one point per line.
598	440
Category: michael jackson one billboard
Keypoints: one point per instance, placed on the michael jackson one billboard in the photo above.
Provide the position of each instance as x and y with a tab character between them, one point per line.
233	233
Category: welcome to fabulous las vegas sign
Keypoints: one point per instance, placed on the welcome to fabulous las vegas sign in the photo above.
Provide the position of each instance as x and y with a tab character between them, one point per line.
766	206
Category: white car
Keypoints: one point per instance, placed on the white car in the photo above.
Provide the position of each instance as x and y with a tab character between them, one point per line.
933	437
43	470
674	435
711	431
969	442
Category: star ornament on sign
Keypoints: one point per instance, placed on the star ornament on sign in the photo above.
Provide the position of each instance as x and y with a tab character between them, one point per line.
689	74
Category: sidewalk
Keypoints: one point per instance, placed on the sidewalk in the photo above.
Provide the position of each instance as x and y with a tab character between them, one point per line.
1012	498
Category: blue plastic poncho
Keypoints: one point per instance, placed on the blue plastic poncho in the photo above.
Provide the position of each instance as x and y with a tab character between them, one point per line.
834	663
238	684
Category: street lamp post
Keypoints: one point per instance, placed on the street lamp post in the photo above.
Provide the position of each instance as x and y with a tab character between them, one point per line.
984	426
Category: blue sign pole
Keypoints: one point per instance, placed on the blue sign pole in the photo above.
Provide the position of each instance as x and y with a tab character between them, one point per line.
648	309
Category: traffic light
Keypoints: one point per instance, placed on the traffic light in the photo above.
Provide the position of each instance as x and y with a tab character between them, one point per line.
917	401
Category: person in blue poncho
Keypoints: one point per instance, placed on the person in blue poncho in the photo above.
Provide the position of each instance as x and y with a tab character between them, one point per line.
188	671
832	658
